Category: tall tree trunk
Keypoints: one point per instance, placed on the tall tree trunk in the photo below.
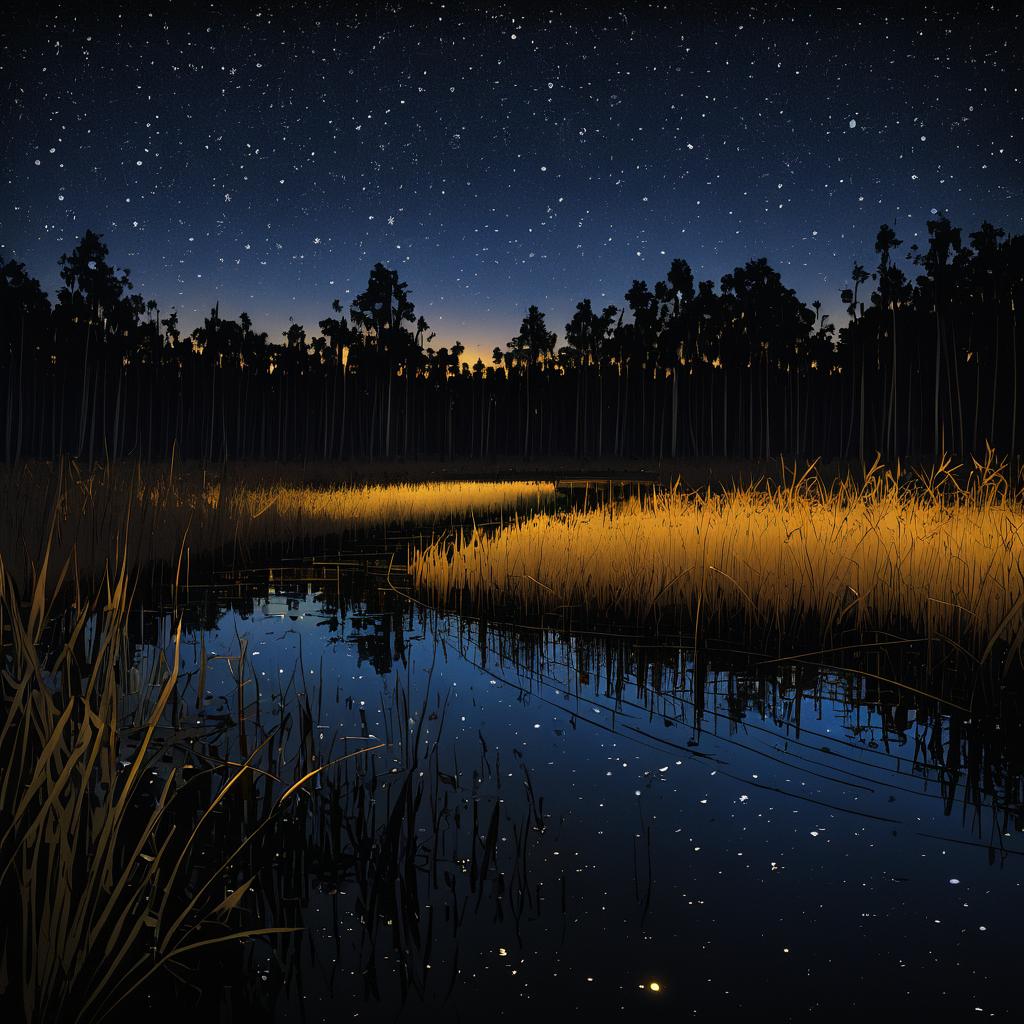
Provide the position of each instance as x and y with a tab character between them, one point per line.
1016	380
995	385
863	367
675	409
938	368
526	428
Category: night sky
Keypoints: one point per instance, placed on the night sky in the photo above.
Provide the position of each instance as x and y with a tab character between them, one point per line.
497	155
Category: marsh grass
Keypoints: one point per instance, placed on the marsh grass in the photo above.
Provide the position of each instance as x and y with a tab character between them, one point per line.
936	556
171	514
110	870
138	840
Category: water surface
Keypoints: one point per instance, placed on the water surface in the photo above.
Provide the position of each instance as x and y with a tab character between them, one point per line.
744	835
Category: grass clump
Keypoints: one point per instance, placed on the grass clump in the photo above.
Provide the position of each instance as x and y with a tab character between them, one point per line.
940	554
353	507
144	842
175	512
118	854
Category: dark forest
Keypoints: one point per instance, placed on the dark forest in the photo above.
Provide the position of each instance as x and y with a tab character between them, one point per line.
927	362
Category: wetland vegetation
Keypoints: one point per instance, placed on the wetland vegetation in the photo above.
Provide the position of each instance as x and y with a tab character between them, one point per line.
410	745
937	558
539	532
339	671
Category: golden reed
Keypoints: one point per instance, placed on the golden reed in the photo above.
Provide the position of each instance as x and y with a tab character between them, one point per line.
942	554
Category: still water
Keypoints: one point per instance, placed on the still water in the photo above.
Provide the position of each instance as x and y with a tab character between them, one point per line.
608	825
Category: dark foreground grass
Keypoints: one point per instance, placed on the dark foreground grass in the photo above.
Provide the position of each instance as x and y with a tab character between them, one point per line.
142	845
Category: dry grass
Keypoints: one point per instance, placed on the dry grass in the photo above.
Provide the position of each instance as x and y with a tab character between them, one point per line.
112	870
165	514
941	555
90	874
135	837
323	510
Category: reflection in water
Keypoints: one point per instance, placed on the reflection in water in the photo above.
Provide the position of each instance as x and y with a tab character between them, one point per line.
604	823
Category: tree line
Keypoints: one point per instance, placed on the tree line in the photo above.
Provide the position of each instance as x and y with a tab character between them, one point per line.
927	362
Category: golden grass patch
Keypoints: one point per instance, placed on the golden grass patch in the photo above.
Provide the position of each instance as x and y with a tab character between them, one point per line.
156	514
937	556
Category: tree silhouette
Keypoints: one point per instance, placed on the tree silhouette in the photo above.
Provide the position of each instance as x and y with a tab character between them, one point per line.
23	306
533	342
683	369
935	285
381	312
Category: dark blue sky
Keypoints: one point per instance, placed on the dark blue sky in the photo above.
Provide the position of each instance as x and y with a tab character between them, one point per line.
266	156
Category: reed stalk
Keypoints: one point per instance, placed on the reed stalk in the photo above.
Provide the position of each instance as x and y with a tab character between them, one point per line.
940	555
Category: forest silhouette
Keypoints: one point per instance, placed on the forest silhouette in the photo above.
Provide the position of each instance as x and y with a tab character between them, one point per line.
928	362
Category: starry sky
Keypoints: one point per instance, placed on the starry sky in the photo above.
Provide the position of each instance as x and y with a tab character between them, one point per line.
265	156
